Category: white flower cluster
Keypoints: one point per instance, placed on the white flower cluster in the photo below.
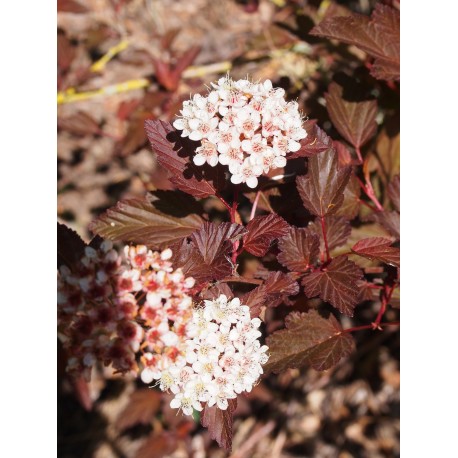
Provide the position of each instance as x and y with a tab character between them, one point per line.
248	126
223	357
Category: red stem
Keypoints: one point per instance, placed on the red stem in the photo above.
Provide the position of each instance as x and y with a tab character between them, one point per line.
358	153
255	204
370	326
369	191
325	238
386	297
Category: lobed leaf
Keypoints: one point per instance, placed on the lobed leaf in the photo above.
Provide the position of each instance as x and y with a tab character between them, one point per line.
70	246
142	406
317	141
262	231
389	221
338	229
279	286
220	423
351	200
336	283
139	221
255	299
206	256
378	248
175	154
378	36
308	339
322	188
299	249
355	121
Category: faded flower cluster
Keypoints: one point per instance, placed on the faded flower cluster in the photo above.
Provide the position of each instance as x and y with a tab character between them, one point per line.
248	126
223	357
110	308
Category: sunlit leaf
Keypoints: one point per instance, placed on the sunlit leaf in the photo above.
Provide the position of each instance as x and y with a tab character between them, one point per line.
308	339
322	188
138	221
262	231
299	249
378	248
336	284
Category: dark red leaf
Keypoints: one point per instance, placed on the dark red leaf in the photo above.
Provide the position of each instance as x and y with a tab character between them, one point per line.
219	423
351	202
299	249
262	231
316	141
216	290
338	229
65	52
308	339
378	36
175	154
135	136
138	221
71	6
80	124
206	256
355	121
158	445
279	286
343	153
70	246
389	221
378	248
255	299
394	189
143	405
185	60
82	392
336	284
322	188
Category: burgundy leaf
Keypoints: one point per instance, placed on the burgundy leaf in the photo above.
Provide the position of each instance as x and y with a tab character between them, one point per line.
338	229
355	121
299	249
262	231
175	154
158	445
336	284
322	188
206	256
308	339
138	221
351	201
279	286
71	6
65	52
378	36
343	153
70	246
394	189
80	124
389	221
135	136
378	248
216	290
255	299
142	406
219	423
213	240
316	141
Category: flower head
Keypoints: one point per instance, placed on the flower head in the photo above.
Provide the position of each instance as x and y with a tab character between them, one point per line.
247	126
223	356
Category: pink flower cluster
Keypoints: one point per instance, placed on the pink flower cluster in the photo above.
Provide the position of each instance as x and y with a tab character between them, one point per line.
248	126
108	310
223	357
